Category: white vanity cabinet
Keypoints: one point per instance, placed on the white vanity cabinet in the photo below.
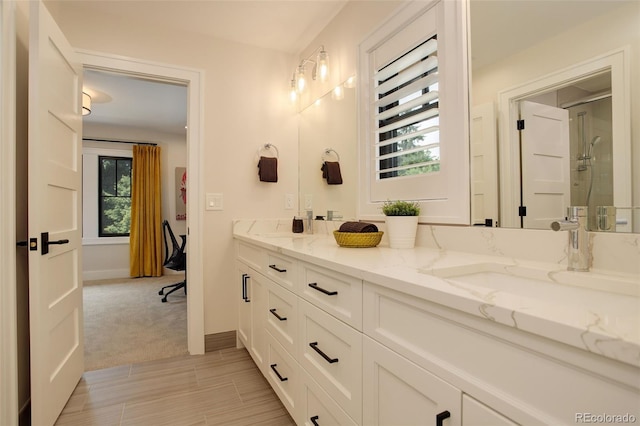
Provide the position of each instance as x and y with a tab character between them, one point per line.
342	351
515	376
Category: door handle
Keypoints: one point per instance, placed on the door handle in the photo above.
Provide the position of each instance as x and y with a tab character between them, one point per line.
32	244
45	243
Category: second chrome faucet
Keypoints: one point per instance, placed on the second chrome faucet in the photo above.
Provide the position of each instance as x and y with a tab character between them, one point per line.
578	249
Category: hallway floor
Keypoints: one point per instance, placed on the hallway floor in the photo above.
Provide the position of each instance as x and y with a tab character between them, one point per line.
219	388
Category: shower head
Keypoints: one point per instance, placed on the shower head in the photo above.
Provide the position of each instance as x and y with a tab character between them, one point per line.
594	141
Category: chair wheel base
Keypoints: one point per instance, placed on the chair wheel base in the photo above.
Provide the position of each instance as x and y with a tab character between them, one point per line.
164	300
161	292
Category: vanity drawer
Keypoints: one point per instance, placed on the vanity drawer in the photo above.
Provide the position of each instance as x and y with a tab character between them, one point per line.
252	256
283	373
318	407
338	294
282	269
331	352
282	316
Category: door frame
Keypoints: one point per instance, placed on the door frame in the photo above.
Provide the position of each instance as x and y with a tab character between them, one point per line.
8	308
194	80
619	63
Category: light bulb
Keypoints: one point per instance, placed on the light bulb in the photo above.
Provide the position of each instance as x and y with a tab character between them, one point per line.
337	93
300	80
323	65
292	94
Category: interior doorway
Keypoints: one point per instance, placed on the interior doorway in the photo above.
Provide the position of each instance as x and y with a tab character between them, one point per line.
192	79
124	321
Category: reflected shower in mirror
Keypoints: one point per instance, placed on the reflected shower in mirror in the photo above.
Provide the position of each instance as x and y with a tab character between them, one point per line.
550	107
328	133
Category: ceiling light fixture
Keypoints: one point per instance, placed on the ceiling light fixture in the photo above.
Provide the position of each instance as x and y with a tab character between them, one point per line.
86	104
320	69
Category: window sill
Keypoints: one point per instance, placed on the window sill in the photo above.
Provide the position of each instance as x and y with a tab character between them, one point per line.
95	241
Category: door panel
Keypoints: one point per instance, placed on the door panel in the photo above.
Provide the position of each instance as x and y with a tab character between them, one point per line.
55	182
545	164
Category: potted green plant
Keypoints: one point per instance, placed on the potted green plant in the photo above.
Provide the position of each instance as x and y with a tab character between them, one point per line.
401	218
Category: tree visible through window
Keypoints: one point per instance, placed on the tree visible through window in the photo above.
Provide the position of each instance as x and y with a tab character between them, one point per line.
114	185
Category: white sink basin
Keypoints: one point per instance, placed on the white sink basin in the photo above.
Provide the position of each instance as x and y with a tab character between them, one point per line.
279	235
537	283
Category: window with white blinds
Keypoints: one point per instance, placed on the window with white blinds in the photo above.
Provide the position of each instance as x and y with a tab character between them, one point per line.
414	119
407	115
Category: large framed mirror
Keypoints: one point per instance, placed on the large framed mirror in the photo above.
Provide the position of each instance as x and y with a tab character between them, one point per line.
551	112
328	133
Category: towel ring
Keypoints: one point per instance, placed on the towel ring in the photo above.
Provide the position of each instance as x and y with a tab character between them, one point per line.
268	146
328	151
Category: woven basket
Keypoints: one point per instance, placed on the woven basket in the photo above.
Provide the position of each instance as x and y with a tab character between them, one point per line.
357	239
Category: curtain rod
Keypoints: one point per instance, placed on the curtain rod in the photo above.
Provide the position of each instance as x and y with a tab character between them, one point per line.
114	141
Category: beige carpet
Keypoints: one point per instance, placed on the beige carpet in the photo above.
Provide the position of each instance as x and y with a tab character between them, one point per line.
125	321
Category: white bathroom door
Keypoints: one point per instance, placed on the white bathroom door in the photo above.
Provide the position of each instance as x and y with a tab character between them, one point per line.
55	182
484	164
545	164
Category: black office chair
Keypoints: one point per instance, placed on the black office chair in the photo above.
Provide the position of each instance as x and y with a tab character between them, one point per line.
177	261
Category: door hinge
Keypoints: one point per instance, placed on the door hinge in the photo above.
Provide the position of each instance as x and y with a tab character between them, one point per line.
522	211
520	125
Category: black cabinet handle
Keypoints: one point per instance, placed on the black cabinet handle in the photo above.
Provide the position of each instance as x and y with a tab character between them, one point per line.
275	314
245	296
277	269
440	417
322	290
315	347
313	420
282	379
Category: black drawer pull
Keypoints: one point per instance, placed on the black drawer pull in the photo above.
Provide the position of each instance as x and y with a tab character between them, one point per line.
441	416
275	314
322	290
314	346
313	420
245	277
277	269
282	379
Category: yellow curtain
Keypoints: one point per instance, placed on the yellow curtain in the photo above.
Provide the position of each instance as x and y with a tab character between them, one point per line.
145	240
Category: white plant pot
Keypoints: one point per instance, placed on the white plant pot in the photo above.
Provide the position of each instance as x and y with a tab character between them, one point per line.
401	231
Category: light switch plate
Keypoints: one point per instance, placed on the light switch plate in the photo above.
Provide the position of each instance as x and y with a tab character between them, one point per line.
213	201
308	201
288	201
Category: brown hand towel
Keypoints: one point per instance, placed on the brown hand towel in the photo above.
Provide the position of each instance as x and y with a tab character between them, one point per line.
268	169
331	172
358	227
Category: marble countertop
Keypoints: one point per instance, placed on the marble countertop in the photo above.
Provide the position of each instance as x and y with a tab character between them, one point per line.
594	312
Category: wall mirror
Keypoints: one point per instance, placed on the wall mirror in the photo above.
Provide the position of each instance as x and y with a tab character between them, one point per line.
328	132
561	70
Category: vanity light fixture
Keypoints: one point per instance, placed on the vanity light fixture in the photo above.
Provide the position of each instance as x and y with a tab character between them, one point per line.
320	69
86	104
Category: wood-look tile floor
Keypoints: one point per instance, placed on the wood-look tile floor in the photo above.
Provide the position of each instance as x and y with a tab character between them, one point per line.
219	388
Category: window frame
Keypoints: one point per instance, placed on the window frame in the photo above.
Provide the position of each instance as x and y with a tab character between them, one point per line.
90	195
444	196
101	197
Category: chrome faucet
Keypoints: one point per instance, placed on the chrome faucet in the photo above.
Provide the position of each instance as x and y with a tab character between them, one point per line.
309	229
576	224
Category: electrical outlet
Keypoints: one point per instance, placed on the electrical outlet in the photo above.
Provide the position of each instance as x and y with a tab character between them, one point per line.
308	202
288	201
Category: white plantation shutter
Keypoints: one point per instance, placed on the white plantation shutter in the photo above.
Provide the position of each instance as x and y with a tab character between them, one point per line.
414	113
406	114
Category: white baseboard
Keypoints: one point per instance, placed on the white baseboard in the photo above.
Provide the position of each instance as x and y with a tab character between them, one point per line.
107	274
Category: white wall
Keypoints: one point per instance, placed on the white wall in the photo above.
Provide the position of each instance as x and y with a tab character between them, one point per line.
103	261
